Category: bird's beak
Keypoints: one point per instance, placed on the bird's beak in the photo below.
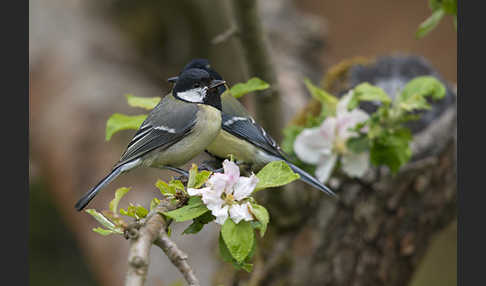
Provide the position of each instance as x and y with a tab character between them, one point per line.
172	79
216	82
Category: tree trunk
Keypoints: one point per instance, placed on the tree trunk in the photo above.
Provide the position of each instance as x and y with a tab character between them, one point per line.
376	234
381	226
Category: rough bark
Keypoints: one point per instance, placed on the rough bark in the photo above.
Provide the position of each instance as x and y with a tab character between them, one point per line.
375	235
177	257
144	234
378	230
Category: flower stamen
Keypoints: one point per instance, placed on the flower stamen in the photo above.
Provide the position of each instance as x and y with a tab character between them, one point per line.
229	198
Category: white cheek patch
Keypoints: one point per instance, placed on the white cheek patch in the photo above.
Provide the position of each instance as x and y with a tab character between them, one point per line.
195	95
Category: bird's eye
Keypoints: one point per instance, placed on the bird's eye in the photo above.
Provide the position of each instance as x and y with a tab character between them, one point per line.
196	85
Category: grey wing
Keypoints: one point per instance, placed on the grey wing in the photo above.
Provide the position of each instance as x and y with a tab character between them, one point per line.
166	124
247	129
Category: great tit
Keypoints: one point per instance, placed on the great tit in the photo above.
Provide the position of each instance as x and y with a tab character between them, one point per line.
180	127
243	138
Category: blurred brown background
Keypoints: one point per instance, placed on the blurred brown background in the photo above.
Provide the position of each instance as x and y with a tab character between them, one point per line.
84	55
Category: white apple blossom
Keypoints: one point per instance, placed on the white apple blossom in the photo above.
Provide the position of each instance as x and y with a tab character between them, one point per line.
324	145
225	193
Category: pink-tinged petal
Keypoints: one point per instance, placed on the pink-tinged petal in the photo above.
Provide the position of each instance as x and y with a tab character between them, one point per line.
197	192
218	182
244	187
356	165
342	106
240	212
349	120
328	129
232	171
221	214
325	168
212	199
309	144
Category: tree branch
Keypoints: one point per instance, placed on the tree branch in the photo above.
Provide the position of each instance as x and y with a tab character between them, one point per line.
225	36
268	108
177	257
150	231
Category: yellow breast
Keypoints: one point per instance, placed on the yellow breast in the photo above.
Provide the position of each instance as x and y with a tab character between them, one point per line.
226	144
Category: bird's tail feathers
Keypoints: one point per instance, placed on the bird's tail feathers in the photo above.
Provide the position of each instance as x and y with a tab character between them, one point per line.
84	201
307	178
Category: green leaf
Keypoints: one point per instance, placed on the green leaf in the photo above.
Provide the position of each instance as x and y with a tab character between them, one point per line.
223	250
118	122
101	219
191	182
194	208
367	92
197	179
164	188
170	188
435	4
248	267
226	255
118	196
199	222
413	94
141	211
358	144
275	174
136	212
328	101
430	23
106	232
253	84
450	6
176	184
143	102
238	238
392	149
201	178
261	214
155	202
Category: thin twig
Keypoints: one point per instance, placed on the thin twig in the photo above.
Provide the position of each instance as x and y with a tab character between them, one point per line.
142	235
225	36
177	257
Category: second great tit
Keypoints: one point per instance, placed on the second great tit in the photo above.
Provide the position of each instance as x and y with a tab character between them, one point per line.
180	127
243	138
